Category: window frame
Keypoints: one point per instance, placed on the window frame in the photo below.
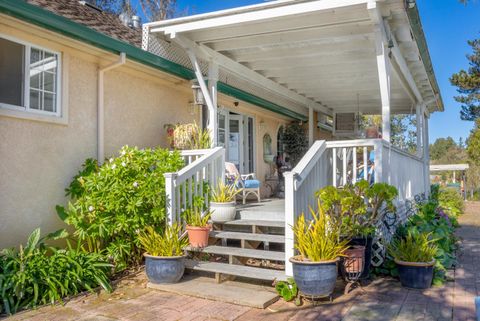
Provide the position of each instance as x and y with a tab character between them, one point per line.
26	80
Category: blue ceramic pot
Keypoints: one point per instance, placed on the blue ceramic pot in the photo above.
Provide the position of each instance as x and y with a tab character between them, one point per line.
163	269
415	275
315	278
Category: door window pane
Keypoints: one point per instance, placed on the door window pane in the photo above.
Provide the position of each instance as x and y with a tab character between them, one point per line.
11	72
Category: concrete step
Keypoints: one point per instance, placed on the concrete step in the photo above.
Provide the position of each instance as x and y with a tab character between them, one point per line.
236	270
268	210
239	252
261	223
266	238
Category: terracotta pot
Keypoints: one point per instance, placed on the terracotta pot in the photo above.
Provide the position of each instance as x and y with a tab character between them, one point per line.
371	132
198	236
354	259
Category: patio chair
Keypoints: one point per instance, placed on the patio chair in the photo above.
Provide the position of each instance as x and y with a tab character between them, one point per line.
246	182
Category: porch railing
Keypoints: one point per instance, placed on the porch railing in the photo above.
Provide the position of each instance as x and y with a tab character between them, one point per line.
203	166
339	163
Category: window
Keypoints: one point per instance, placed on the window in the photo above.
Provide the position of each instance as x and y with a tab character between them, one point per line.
29	78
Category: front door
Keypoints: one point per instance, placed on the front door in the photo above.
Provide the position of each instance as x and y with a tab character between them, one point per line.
235	141
236	135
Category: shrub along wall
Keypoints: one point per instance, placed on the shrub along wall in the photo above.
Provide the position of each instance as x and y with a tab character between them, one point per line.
438	218
110	205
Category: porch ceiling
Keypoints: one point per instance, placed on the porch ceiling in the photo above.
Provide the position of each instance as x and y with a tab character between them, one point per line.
323	51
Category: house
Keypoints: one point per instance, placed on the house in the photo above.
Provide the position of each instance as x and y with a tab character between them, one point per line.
321	58
83	100
322	63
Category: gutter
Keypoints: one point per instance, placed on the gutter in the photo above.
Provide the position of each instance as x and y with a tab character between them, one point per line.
419	36
101	107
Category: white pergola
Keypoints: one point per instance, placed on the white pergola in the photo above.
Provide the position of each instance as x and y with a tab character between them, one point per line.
328	56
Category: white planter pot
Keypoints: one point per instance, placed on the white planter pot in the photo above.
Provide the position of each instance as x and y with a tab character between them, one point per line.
223	212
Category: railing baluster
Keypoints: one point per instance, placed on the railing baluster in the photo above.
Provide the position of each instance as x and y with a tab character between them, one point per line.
344	154
365	163
354	165
184	195
334	167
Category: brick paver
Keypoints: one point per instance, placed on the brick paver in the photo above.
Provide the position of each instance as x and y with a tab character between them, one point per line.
382	300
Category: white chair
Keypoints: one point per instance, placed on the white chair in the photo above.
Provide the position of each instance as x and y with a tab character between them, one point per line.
246	182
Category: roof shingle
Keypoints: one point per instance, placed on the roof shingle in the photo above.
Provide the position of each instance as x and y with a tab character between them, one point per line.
100	21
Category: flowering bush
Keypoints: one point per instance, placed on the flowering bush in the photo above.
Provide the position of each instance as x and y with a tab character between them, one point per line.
111	203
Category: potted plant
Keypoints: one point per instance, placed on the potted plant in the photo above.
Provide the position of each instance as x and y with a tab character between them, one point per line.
222	203
198	228
320	246
358	209
415	259
164	256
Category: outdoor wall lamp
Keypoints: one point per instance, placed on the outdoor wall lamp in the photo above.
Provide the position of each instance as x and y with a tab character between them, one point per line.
198	98
410	4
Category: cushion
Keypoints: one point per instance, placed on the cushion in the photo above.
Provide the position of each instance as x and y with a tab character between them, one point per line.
251	183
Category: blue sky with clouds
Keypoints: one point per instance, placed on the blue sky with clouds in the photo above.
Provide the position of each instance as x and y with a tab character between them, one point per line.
447	25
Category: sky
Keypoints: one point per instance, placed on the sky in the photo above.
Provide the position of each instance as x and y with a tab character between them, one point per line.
447	24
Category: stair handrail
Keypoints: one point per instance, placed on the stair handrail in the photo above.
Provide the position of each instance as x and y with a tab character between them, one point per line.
296	193
210	167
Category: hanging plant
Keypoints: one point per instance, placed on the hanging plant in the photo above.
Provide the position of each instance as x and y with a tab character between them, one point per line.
296	142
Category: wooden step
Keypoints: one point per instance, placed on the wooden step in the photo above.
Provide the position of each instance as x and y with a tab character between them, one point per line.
263	223
240	252
267	238
236	270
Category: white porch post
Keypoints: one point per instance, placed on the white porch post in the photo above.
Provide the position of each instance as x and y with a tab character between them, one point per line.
383	66
419	119
426	151
289	220
310	126
212	111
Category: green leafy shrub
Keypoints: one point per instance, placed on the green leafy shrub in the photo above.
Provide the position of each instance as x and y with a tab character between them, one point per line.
450	200
112	202
288	290
37	274
415	247
432	220
357	207
167	243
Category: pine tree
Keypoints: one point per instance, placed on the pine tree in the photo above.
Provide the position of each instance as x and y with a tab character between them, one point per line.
468	84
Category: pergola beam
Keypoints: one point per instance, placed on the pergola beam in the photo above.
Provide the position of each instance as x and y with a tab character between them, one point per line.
257	15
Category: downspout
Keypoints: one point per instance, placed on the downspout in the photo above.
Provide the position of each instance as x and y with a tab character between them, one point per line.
101	107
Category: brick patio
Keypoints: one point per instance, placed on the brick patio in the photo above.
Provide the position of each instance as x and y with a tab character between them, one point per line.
383	299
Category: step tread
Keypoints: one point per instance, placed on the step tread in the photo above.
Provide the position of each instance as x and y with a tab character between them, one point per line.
248	236
266	223
238	270
237	251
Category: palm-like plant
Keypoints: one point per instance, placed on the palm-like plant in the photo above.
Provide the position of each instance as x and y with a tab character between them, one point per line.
168	243
318	240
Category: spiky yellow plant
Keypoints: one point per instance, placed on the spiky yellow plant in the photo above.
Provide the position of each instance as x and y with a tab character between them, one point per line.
318	240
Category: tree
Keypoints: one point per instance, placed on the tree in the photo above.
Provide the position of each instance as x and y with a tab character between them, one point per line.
441	147
473	144
152	9
468	84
